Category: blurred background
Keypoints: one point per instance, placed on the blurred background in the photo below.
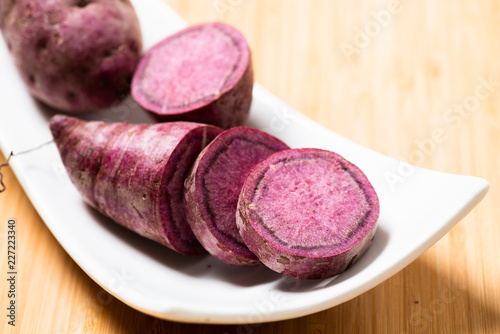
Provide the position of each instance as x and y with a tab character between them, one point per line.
415	80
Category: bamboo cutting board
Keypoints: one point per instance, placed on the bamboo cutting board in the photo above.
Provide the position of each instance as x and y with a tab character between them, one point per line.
415	80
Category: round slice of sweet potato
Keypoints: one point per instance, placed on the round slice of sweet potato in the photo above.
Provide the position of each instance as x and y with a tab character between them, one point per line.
212	189
307	213
202	74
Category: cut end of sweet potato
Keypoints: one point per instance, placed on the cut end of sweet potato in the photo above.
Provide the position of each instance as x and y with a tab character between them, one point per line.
213	187
307	213
202	73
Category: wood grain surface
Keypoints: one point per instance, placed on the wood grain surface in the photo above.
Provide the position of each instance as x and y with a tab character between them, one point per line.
386	74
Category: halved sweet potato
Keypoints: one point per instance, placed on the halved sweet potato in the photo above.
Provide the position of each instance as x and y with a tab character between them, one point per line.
134	173
202	74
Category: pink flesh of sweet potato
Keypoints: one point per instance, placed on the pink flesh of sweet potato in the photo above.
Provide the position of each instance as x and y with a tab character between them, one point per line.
73	55
202	74
213	187
307	213
134	173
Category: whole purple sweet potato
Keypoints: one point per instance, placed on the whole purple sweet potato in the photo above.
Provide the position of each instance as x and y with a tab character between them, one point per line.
134	173
202	74
212	189
74	55
307	213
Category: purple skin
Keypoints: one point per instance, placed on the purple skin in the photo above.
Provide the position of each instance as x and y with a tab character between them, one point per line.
212	189
307	213
73	55
134	173
203	74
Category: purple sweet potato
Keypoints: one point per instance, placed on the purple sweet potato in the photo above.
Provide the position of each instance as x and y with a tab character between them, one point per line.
212	189
202	74
73	55
307	213
134	173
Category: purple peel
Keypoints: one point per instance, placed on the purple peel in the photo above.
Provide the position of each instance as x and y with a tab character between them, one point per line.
213	187
307	213
202	73
73	58
134	173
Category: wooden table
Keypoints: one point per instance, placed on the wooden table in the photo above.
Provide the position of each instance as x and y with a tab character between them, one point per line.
384	74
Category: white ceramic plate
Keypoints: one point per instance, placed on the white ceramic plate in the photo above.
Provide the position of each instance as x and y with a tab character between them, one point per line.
417	208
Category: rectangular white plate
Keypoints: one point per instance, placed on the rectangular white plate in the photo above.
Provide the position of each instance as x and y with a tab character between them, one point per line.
418	207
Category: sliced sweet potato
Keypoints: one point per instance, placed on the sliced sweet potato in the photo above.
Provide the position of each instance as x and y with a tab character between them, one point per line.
307	213
213	187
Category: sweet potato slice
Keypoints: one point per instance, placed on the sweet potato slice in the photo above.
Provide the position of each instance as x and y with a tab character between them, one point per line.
134	173
307	213
202	74
213	187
